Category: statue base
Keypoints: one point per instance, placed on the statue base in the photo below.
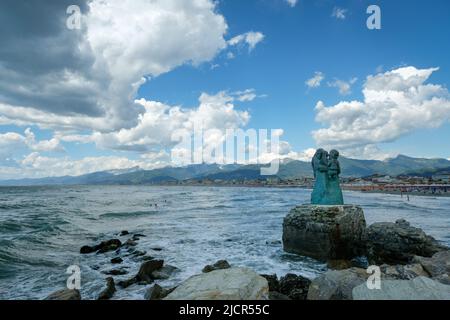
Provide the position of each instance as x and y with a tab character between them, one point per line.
325	232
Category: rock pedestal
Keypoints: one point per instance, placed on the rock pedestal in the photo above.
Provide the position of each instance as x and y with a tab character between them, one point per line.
325	232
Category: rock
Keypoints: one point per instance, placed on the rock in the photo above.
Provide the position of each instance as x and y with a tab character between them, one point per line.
116	272
65	295
157	249
147	268
398	243
148	258
219	265
225	284
130	243
164	273
156	292
103	247
420	288
339	264
403	272
325	232
294	286
109	291
116	260
124	233
438	266
336	285
272	279
274	295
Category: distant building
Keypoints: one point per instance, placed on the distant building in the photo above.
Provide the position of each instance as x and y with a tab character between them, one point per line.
444	177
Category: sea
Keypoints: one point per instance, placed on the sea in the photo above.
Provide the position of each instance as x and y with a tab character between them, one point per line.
43	228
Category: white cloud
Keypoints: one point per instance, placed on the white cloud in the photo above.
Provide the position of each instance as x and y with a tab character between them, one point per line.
250	38
345	87
339	13
395	104
316	80
292	3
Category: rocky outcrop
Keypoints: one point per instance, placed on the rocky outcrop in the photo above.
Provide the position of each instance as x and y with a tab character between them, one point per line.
145	274
164	273
227	284
219	265
398	243
156	292
438	266
325	232
65	295
403	272
103	247
420	288
108	293
294	286
336	285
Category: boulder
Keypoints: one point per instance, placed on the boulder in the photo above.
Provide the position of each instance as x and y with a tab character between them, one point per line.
164	273
226	284
294	286
109	291
325	232
438	266
156	292
116	260
336	285
272	279
124	233
219	265
145	273
103	247
274	295
116	272
403	272
421	288
398	243
65	295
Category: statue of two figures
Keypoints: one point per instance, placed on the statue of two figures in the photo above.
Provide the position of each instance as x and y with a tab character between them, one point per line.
327	189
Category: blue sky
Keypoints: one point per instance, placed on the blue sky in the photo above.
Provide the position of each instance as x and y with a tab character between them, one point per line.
298	43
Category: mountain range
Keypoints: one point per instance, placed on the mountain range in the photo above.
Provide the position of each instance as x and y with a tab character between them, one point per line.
289	169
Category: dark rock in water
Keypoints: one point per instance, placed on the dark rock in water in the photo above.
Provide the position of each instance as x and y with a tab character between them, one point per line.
147	268
157	249
144	276
156	292
219	265
87	250
294	286
148	258
65	295
130	243
109	291
124	233
438	266
325	232
274	284
398	243
116	260
137	237
164	273
337	285
116	272
103	247
274	295
138	253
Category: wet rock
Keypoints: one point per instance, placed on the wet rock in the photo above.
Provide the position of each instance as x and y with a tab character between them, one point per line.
337	284
227	284
274	295
87	250
138	253
272	279
403	272
108	293
130	243
339	264
148	258
164	273
117	260
438	266
325	232
103	247
144	275
294	286
124	233
116	272
219	265
156	292
398	243
157	249
65	295
137	237
420	288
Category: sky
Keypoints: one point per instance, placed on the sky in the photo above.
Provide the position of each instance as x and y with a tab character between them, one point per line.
107	88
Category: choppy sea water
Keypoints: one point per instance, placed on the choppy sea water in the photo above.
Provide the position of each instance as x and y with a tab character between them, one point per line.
43	228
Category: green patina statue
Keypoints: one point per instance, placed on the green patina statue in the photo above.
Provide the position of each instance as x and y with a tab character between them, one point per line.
327	189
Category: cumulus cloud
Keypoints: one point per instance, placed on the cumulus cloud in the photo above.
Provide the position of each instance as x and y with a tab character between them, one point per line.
345	87
292	3
339	13
250	38
316	80
395	104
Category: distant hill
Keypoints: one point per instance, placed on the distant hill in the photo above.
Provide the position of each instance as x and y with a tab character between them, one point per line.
289	169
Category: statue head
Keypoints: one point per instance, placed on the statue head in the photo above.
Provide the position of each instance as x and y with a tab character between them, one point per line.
334	154
319	154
